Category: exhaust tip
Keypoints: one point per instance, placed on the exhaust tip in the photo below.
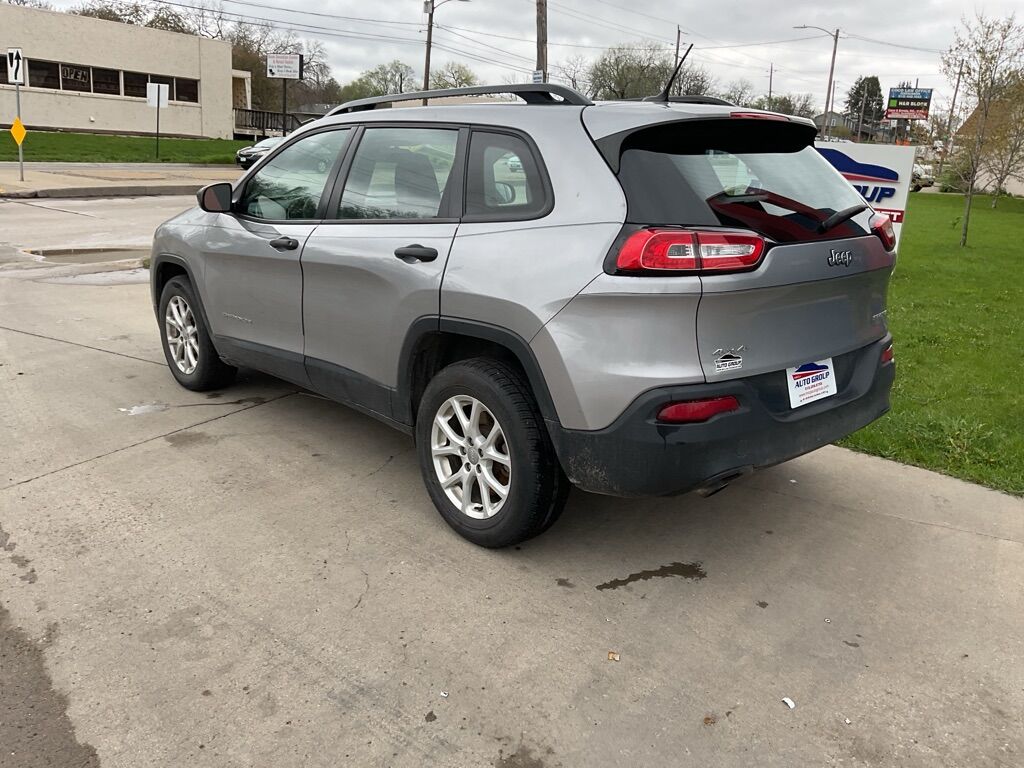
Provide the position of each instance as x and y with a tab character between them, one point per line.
720	481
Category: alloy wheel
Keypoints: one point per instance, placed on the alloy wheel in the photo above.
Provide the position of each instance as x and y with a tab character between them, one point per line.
471	457
182	334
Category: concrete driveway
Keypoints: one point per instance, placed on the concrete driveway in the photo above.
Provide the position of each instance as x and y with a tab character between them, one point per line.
255	577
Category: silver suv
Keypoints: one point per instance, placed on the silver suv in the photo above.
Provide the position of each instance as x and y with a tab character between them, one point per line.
637	298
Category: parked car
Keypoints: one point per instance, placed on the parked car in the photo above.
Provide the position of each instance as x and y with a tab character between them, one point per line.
922	177
246	157
676	294
515	164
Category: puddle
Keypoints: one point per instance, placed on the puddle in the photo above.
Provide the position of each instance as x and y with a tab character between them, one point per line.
692	571
88	255
136	410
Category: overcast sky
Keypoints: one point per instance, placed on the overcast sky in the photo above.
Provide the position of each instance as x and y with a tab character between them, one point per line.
496	37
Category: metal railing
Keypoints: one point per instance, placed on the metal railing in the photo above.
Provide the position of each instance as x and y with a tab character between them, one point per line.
259	122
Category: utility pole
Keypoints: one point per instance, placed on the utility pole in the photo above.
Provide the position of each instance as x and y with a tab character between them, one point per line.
830	96
948	143
679	34
542	39
863	101
771	77
429	8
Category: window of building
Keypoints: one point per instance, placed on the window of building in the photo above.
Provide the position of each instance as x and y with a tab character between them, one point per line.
3	75
502	178
186	89
291	184
44	74
135	84
106	81
399	173
163	80
75	78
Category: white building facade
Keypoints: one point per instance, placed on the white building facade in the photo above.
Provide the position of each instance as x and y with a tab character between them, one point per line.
90	75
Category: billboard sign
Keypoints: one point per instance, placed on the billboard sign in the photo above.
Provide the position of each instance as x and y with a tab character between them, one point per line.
881	173
908	104
287	66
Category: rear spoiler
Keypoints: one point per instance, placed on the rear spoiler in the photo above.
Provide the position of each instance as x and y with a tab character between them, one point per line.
739	131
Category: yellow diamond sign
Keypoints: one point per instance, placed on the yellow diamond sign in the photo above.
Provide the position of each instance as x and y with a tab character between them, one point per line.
18	131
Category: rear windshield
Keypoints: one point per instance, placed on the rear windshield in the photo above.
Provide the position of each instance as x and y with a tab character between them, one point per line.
749	174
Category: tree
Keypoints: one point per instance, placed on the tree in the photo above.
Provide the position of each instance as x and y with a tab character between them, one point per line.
740	92
866	91
797	104
452	75
1004	150
991	54
575	72
114	10
630	71
394	77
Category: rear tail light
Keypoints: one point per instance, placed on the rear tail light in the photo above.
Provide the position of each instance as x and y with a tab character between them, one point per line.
881	225
696	411
681	250
888	355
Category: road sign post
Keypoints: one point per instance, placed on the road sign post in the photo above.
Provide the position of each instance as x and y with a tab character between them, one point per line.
285	67
16	77
156	96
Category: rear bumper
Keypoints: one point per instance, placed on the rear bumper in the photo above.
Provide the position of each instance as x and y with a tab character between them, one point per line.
638	456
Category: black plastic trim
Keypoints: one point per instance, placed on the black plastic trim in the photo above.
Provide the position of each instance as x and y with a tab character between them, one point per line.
271	360
531	93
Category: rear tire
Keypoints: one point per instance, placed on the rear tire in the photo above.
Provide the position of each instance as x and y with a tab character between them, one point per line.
188	349
498	451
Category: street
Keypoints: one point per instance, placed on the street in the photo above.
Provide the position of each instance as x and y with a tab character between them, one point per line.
256	576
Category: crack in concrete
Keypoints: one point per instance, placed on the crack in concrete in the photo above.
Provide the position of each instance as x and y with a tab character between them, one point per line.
143	442
83	346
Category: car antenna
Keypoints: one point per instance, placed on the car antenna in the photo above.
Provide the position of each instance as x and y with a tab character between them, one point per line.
663	96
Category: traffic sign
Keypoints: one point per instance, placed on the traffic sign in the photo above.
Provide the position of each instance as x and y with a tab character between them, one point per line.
538	76
15	67
287	66
18	131
156	94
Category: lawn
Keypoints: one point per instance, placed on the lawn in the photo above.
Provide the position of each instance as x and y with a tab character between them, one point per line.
957	316
96	148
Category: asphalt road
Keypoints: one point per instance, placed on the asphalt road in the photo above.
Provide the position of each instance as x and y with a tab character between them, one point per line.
256	577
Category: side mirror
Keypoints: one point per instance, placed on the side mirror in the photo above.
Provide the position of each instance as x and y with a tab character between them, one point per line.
215	198
505	192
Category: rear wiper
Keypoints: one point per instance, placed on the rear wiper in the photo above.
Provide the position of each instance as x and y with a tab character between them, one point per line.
839	217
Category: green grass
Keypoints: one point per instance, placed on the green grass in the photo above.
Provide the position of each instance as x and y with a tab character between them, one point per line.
957	316
95	148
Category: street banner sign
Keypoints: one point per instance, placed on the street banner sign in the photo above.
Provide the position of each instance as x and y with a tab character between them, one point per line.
538	76
15	67
908	103
156	94
881	173
287	66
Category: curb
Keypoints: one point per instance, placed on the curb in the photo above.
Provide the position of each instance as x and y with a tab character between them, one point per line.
119	191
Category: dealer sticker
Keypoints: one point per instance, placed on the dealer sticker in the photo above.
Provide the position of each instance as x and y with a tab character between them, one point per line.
810	382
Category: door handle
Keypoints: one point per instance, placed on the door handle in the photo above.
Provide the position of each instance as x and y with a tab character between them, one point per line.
285	243
416	252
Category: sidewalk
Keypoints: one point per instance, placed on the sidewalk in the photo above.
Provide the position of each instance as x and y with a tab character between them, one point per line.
64	180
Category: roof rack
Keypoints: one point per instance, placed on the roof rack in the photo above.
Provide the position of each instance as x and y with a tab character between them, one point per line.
540	93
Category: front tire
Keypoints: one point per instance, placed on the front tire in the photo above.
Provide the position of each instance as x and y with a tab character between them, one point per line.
188	349
485	454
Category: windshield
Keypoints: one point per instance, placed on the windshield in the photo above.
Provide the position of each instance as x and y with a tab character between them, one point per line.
266	143
737	173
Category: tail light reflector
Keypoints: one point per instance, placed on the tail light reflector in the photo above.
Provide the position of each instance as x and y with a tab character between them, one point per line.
888	355
696	411
681	250
881	225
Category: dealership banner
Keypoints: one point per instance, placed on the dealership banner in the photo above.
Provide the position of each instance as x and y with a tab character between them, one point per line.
908	104
881	173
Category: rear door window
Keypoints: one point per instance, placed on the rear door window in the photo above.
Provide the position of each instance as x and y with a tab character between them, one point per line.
754	175
503	180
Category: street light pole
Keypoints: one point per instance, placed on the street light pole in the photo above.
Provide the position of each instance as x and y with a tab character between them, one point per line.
429	6
831	68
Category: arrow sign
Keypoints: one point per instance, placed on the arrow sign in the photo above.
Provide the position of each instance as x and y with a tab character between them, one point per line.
15	69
